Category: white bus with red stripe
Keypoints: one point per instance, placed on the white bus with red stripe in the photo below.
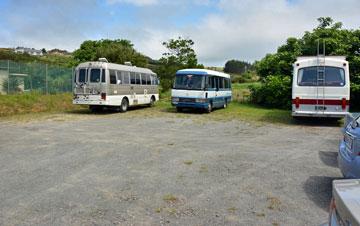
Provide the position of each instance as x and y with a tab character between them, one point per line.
321	87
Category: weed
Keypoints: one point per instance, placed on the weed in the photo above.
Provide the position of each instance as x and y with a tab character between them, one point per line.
188	162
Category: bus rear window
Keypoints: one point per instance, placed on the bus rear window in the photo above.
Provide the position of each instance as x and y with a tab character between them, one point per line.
315	76
95	75
82	75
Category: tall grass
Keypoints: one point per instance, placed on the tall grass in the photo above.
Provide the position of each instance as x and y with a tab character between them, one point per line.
35	102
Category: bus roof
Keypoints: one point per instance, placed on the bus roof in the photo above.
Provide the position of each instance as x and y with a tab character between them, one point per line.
113	66
340	59
202	72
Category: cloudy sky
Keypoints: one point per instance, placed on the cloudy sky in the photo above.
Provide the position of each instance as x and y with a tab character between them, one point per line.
221	29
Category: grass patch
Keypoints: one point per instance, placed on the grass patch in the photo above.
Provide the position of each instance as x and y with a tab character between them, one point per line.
203	169
188	162
25	105
35	102
273	203
232	209
170	198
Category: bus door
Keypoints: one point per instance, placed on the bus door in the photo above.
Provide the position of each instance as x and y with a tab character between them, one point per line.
320	106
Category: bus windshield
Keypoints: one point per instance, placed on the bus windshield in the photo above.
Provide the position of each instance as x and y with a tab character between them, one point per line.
95	75
311	76
189	82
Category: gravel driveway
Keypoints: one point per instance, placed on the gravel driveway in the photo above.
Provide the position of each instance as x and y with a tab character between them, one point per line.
111	170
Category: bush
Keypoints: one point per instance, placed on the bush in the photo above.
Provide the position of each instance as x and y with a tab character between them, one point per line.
275	92
249	76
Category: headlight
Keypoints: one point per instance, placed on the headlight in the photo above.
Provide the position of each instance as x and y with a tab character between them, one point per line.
200	100
175	99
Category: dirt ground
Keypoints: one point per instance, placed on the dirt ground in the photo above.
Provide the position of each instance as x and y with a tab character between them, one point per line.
116	170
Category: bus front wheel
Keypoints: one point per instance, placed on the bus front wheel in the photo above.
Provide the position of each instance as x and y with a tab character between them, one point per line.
124	105
225	103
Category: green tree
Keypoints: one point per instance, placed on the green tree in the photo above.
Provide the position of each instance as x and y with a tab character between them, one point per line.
115	51
180	54
237	66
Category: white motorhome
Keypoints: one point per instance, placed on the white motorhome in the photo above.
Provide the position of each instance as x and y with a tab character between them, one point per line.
201	88
101	84
321	87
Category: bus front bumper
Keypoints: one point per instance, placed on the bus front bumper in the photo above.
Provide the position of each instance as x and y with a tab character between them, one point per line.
190	105
319	114
89	100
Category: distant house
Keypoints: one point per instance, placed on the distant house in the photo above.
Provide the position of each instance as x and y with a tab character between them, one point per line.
30	51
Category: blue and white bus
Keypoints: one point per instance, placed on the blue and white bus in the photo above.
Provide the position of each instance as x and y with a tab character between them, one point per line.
200	88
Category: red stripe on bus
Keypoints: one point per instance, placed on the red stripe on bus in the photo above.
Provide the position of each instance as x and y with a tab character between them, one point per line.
320	101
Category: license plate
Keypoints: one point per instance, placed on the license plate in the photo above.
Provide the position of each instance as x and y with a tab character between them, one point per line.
320	108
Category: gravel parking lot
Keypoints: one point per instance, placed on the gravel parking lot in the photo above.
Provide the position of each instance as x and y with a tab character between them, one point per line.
115	170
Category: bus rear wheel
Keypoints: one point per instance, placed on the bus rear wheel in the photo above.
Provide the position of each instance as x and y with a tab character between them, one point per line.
124	105
152	101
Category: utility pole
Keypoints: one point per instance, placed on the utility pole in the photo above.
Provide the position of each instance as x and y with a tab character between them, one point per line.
46	82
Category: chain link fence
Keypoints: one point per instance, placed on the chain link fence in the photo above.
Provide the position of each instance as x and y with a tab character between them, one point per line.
19	77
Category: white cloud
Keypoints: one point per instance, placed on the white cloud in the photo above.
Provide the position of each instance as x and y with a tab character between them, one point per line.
240	29
247	29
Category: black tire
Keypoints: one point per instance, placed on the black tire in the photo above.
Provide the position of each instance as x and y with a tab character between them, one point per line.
152	101
209	108
179	109
124	105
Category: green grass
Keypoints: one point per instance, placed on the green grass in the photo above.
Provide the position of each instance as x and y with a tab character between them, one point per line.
34	104
26	103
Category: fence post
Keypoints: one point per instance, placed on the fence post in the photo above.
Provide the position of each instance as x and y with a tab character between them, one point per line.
46	82
72	79
8	92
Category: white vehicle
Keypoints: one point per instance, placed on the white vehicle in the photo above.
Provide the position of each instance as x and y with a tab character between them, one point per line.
200	88
101	84
321	87
345	204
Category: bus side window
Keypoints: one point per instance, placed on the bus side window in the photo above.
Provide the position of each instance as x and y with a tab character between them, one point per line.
227	83
143	79
112	76
119	78
125	76
221	83
216	80
138	79
103	76
148	79
132	78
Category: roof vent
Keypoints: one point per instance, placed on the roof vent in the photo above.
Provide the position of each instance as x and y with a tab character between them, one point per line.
128	63
103	59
